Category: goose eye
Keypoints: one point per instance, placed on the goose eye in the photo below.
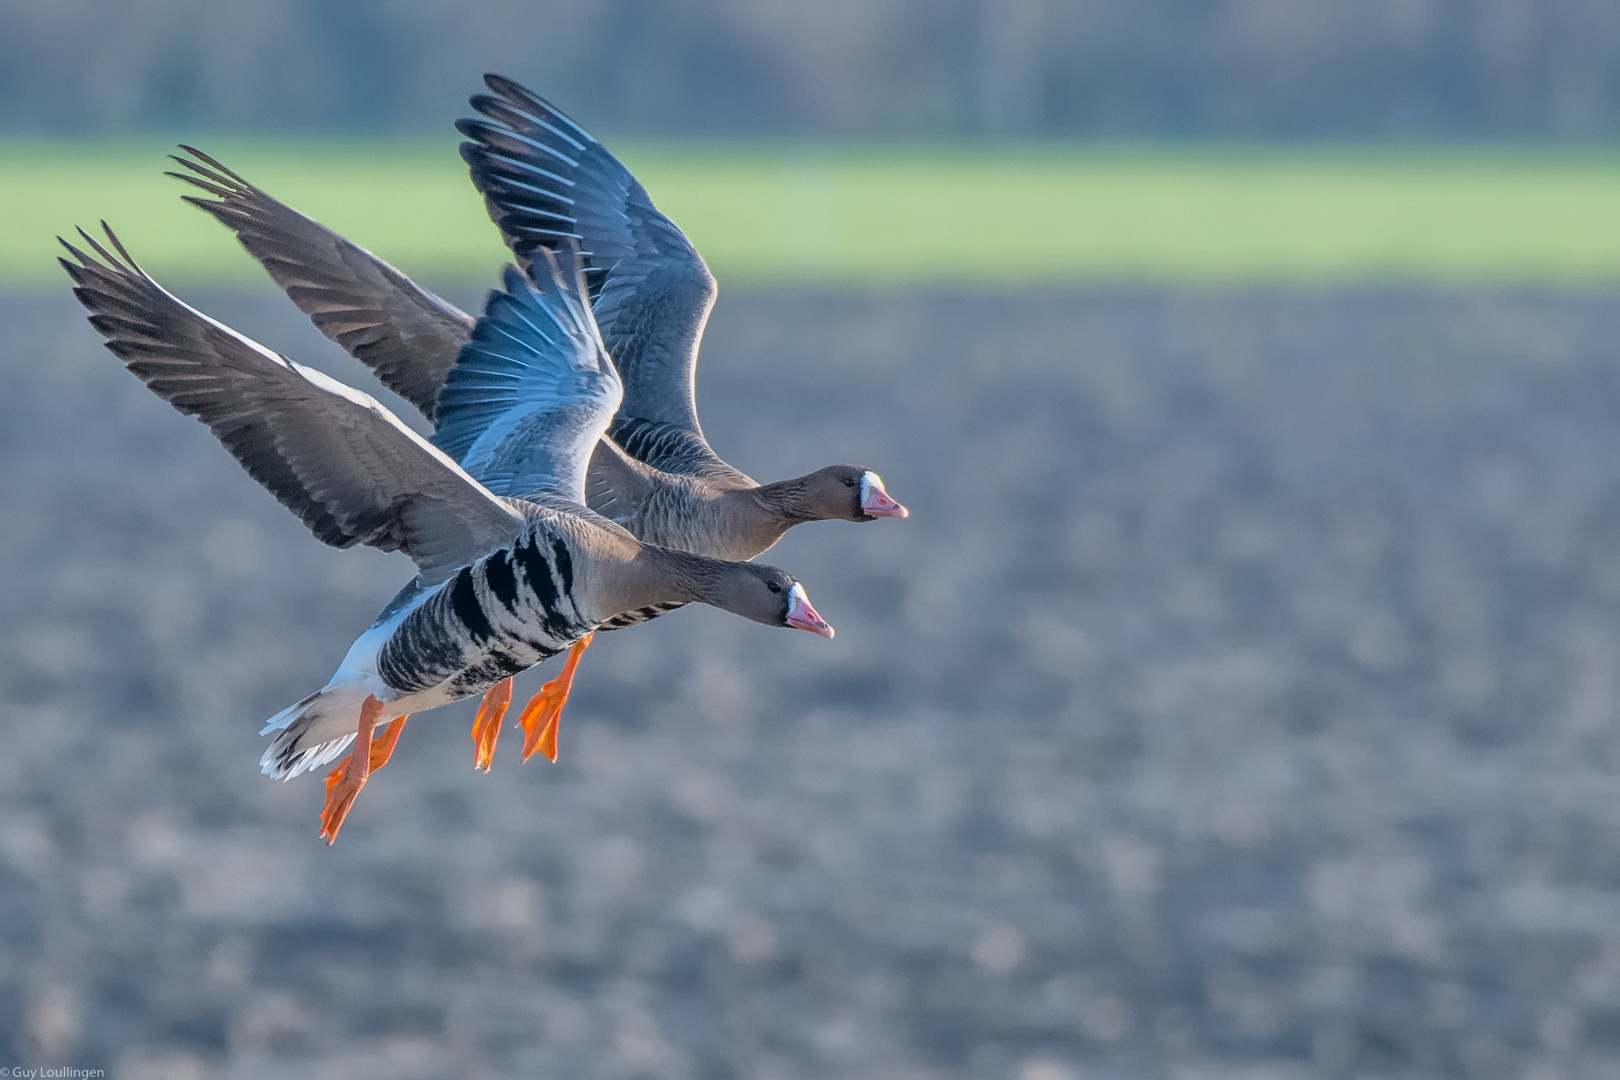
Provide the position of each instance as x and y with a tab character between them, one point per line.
775	586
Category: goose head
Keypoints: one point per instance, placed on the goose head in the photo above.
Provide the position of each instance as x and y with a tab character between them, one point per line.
848	493
766	595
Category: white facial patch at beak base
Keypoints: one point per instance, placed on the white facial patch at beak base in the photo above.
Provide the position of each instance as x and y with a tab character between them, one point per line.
801	616
875	501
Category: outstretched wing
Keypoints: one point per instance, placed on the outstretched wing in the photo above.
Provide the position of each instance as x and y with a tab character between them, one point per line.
404	333
534	390
546	182
332	455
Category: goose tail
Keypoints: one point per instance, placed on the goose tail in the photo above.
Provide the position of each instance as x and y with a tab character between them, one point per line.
314	731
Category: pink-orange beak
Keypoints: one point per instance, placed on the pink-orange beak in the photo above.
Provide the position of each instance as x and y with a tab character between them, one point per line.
802	616
875	502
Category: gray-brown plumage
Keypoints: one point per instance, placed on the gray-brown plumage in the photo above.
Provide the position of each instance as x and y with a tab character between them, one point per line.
547	184
727	516
503	582
404	333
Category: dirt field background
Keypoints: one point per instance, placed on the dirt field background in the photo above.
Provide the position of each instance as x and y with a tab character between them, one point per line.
1240	701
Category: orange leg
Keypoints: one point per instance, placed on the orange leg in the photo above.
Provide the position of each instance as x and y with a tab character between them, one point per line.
340	796
487	725
381	750
540	715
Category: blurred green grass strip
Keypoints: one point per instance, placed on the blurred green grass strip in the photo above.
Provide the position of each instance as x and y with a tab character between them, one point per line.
866	214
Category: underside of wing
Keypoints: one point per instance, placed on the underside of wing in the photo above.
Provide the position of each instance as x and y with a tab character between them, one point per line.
407	335
332	455
548	182
534	390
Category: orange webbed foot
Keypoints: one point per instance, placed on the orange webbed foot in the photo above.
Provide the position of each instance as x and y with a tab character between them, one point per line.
540	715
486	729
344	784
339	801
381	750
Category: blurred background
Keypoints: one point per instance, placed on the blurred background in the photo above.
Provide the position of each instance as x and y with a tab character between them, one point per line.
1239	701
1388	69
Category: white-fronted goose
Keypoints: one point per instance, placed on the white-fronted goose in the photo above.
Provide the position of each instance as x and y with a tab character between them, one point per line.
502	583
548	182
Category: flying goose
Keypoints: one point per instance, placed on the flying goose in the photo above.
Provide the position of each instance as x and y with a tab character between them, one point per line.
502	582
547	182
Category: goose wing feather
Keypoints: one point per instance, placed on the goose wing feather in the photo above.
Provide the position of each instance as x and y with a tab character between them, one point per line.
404	333
332	455
534	390
546	181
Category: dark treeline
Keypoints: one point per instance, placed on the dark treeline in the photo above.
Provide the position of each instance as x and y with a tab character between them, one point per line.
1536	69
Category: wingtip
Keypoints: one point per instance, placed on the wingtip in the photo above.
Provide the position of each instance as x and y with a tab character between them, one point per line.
76	270
487	103
196	181
93	244
211	162
200	202
194	170
512	278
118	245
122	263
510	92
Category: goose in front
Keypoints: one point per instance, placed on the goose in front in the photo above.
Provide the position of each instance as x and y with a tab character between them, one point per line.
502	582
549	184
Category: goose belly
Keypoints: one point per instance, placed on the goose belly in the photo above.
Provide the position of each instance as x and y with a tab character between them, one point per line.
495	618
639	616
